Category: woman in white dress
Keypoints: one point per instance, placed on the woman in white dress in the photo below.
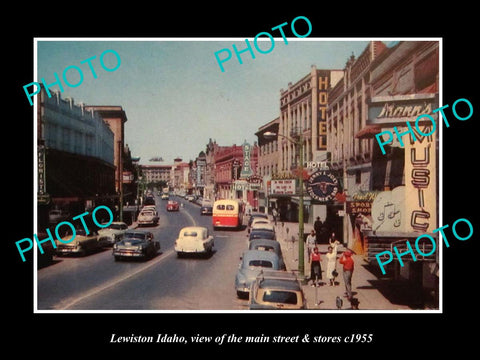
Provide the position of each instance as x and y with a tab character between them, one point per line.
334	243
331	265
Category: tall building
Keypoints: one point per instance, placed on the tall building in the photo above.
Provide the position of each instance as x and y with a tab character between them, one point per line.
156	173
303	119
235	171
116	118
303	111
392	195
75	156
267	161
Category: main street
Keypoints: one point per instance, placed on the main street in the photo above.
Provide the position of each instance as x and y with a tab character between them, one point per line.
165	282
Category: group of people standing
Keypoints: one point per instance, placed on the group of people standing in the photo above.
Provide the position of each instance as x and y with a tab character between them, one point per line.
331	260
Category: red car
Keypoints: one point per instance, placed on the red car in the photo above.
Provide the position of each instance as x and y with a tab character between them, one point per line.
172	205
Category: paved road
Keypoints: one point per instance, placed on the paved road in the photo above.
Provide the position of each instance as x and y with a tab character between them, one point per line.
165	282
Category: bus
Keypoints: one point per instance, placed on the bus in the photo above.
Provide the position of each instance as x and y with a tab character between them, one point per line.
227	213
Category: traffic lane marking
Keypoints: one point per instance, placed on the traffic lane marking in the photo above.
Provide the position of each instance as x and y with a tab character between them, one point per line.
66	304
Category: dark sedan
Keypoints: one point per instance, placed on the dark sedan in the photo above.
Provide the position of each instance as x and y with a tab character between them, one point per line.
136	244
261	234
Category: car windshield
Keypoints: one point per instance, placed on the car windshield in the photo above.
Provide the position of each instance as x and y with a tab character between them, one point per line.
116	227
265	248
135	236
147	213
190	233
260	263
279	296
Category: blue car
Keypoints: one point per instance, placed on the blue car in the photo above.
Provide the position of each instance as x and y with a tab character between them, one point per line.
252	262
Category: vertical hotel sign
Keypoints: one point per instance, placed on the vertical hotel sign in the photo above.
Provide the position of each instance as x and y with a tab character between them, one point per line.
323	85
246	166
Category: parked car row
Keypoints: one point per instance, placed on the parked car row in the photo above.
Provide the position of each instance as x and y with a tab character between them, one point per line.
148	216
262	275
94	240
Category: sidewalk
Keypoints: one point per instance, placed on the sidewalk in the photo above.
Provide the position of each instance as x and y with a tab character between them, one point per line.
324	297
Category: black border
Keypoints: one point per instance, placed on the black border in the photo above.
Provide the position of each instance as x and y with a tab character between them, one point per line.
404	334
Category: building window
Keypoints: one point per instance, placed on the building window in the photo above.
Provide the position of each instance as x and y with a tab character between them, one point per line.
358	176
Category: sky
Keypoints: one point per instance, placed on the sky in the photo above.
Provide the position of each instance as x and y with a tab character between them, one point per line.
173	91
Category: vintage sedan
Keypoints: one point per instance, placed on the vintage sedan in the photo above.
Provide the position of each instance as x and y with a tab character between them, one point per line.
112	233
206	207
261	234
276	290
256	215
173	205
194	240
80	244
136	244
268	245
252	262
148	217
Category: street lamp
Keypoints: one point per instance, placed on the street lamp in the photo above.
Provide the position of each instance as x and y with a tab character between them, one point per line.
298	141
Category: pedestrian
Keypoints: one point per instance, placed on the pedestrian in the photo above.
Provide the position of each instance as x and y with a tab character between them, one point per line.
331	266
315	267
317	226
348	266
275	214
334	243
311	239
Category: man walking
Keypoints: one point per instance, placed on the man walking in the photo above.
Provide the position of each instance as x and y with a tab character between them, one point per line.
317	226
348	266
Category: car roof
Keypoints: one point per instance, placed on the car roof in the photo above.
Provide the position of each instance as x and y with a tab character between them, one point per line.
265	242
262	231
278	279
260	255
193	228
262	226
145	232
259	214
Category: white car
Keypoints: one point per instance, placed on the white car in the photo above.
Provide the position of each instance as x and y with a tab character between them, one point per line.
113	233
148	217
262	224
194	240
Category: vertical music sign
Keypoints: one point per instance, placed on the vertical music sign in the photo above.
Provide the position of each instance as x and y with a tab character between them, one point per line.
421	182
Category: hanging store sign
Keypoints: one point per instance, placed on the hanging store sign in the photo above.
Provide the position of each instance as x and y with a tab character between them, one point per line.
246	167
282	187
400	108
322	186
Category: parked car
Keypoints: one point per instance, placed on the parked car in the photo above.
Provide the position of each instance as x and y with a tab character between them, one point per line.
81	244
190	197
276	290
194	240
261	234
262	225
57	215
148	217
252	262
172	205
136	244
268	245
149	200
164	196
256	215
206	208
113	233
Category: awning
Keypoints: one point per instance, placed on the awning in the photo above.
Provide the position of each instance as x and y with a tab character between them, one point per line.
368	132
